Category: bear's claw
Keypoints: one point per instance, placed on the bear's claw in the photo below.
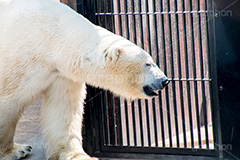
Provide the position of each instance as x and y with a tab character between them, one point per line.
21	151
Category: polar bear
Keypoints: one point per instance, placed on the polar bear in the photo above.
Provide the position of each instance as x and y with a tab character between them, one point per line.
49	50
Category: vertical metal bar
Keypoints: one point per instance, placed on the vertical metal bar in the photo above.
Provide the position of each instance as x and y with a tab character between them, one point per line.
195	90
108	19
140	120
99	11
80	6
105	11
205	115
135	41
93	11
127	36
148	28
173	76
113	19
127	122
197	113
94	120
150	52
118	120
213	70
203	88
155	124
106	122
134	22
134	124
166	90
119	17
180	76
110	119
126	20
194	70
162	122
190	115
113	121
88	10
186	67
164	57
188	83
156	31
142	43
102	127
148	123
169	119
140	21
157	61
195	87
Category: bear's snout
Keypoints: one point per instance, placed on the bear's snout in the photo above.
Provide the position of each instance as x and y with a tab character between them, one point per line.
160	83
150	90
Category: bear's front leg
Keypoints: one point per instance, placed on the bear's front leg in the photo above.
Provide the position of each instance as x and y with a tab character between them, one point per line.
61	118
10	112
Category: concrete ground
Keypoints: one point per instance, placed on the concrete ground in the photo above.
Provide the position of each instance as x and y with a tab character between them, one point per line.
29	131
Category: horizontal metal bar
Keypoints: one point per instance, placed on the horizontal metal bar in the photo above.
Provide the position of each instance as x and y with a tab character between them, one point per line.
149	13
141	156
156	151
189	79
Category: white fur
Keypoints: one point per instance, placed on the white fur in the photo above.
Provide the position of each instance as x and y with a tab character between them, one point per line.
48	49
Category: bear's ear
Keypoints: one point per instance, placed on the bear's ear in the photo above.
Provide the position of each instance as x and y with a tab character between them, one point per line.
112	54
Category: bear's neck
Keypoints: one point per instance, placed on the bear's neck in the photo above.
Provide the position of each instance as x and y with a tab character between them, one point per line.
81	55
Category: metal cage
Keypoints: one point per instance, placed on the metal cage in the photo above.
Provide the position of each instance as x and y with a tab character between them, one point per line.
184	118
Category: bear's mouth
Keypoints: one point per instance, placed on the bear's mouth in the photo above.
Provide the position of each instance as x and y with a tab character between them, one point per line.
149	91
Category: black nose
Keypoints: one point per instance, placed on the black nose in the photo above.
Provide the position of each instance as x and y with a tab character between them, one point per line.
165	82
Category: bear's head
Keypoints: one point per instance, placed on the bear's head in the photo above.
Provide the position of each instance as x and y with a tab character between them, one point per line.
131	71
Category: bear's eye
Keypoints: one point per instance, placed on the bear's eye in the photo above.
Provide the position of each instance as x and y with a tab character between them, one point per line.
148	64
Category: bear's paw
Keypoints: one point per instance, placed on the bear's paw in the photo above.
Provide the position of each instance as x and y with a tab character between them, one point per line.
22	151
18	152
